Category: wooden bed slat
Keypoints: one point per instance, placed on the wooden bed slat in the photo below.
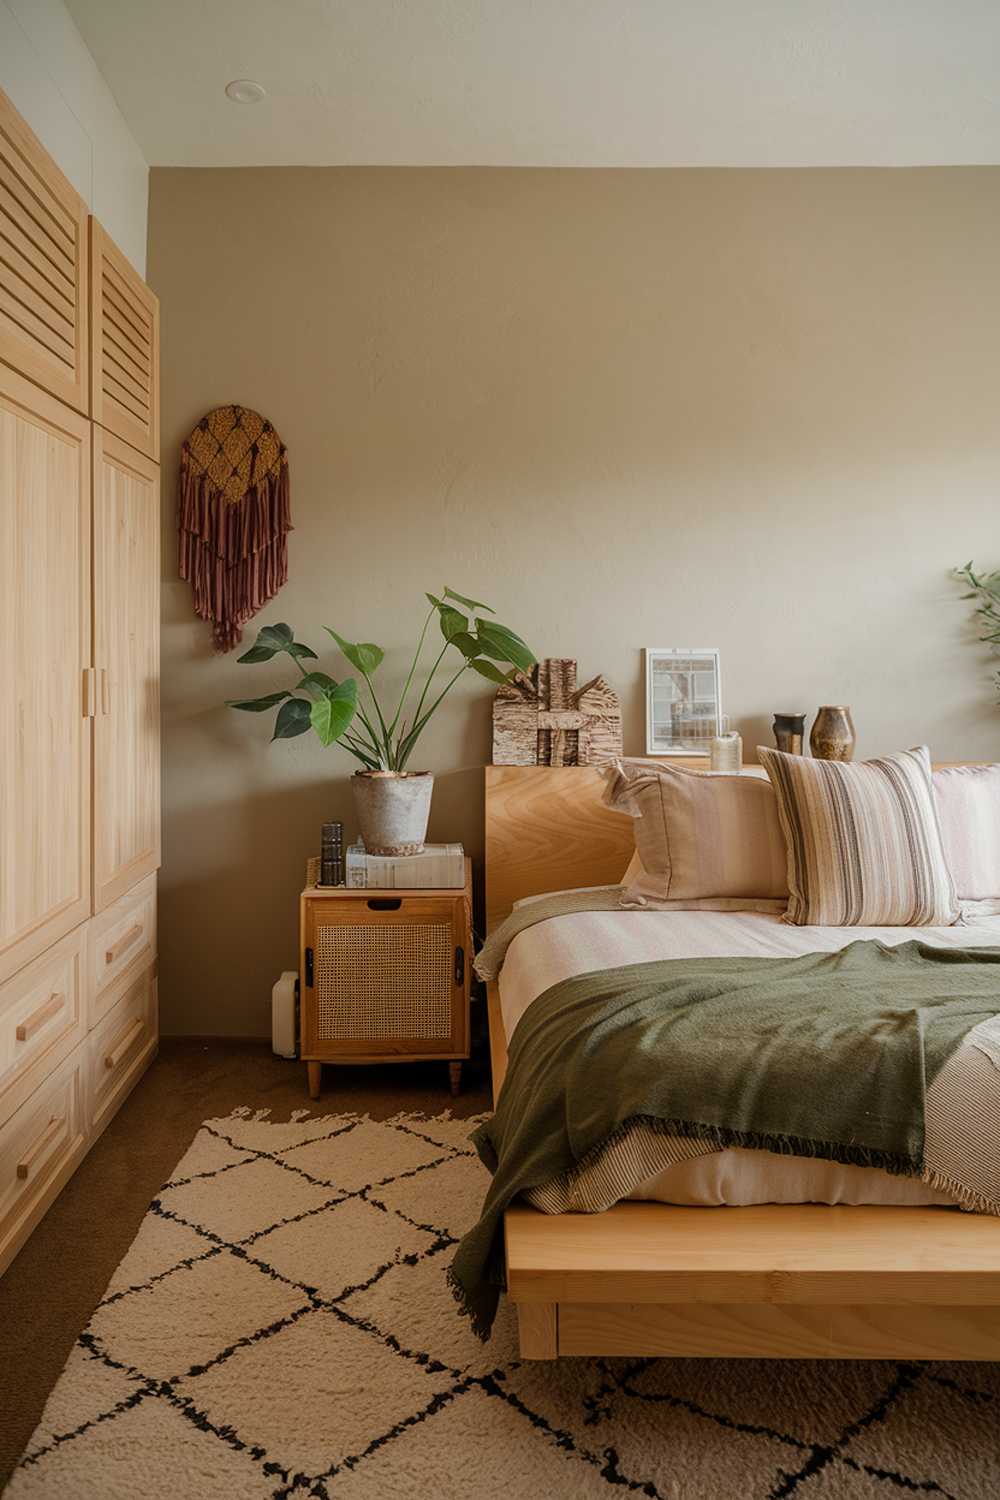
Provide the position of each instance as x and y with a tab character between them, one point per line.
773	1253
748	1331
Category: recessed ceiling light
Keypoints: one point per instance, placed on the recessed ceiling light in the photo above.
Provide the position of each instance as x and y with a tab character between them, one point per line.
245	91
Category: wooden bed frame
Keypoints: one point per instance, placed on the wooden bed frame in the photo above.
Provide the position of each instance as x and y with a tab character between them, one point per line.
778	1281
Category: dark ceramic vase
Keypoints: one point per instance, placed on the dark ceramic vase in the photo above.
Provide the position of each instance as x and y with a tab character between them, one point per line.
832	736
789	732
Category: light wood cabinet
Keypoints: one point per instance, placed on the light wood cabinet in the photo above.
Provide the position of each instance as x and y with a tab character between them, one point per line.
40	1148
43	266
42	1018
120	941
79	710
385	976
45	604
124	347
119	1050
127	657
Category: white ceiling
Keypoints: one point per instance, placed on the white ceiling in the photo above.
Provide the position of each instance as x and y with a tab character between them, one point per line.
639	83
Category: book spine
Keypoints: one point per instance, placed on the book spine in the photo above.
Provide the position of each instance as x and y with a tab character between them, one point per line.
390	872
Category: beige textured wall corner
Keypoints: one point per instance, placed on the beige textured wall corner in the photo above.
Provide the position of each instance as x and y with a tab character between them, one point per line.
749	409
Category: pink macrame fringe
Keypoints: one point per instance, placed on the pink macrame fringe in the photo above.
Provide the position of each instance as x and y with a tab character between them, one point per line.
234	555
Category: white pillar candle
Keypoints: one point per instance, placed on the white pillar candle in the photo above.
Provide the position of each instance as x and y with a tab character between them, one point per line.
727	752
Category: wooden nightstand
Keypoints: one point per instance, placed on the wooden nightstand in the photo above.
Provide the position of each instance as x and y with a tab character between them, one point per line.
384	976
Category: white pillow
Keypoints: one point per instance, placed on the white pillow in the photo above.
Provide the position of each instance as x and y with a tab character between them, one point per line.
968	808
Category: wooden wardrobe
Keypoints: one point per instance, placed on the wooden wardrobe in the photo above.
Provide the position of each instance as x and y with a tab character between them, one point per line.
80	666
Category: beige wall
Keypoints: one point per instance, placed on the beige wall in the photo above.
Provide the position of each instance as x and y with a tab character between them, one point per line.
755	409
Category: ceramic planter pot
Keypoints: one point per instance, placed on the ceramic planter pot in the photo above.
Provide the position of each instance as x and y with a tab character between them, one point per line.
393	808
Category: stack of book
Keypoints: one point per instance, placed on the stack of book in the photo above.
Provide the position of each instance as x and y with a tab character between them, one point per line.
438	867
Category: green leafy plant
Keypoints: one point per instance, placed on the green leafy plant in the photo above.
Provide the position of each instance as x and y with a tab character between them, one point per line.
333	709
985	589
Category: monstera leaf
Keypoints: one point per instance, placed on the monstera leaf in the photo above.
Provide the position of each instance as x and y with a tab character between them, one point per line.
257	705
272	639
502	644
292	720
363	655
332	712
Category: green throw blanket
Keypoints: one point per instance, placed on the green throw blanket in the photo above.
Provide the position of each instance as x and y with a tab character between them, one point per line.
828	1055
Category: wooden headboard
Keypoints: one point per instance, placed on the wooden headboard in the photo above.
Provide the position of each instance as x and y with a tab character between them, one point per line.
547	830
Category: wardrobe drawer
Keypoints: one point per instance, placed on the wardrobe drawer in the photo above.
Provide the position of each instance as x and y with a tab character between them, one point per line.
41	1018
119	1050
122	942
40	1147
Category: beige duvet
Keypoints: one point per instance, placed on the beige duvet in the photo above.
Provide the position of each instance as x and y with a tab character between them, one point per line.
583	942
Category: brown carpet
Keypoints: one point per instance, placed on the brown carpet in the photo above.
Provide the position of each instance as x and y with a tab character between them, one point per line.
281	1329
50	1291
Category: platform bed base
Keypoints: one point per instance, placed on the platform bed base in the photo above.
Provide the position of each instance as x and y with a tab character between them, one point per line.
782	1281
777	1281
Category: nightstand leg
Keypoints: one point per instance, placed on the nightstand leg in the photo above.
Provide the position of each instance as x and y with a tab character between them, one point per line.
455	1078
315	1071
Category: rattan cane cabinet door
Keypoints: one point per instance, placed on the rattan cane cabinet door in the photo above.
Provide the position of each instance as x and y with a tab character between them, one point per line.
389	977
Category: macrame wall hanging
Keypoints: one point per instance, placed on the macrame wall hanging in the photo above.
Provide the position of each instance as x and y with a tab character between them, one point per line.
233	518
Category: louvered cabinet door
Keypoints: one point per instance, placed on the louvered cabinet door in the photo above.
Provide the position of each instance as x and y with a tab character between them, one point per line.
43	266
124	347
127	658
45	738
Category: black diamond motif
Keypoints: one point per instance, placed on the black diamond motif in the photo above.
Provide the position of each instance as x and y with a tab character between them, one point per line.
615	1390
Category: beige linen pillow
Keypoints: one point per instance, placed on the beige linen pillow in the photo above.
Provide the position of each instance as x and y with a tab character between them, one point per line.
968	808
864	846
704	841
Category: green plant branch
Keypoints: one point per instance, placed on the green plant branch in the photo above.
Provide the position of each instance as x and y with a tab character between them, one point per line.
985	589
414	734
413	667
430	679
360	751
372	734
378	711
371	746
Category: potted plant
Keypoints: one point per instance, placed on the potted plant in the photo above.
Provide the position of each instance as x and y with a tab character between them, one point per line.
985	589
393	803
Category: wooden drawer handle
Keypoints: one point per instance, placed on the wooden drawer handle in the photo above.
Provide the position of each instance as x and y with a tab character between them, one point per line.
112	1059
49	1008
46	1138
126	941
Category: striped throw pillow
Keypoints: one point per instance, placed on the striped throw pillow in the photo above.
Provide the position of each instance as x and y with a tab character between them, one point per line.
864	846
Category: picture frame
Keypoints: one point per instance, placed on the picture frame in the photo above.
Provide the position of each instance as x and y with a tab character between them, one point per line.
683	699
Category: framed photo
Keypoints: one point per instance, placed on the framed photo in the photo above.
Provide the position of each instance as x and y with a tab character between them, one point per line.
683	700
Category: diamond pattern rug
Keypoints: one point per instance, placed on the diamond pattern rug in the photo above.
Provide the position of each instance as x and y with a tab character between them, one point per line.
281	1327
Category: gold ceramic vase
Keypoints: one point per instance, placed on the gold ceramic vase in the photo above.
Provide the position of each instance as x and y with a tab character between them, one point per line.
832	736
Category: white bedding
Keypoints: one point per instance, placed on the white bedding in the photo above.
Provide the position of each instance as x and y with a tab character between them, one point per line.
586	941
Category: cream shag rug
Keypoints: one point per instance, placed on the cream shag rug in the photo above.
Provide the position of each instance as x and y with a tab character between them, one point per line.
281	1327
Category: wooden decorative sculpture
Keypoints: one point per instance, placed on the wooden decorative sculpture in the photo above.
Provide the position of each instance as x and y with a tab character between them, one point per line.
233	518
546	720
